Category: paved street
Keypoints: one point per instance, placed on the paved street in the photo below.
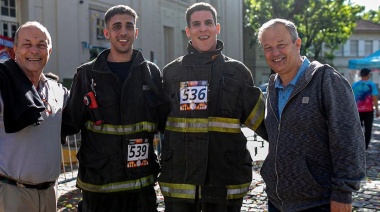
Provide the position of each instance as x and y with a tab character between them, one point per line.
367	199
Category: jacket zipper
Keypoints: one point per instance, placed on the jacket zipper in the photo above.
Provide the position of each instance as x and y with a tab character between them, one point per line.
278	135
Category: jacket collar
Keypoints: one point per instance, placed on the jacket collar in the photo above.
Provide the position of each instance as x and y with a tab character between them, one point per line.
100	63
195	57
302	82
304	79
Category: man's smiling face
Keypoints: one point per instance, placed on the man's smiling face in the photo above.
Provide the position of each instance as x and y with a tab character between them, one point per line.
32	50
281	53
203	31
121	32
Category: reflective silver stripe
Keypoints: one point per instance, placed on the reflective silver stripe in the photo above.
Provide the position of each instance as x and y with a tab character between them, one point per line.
237	191
118	186
121	129
184	191
257	115
203	125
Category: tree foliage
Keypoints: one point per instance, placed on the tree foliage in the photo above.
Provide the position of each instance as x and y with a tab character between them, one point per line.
319	22
372	15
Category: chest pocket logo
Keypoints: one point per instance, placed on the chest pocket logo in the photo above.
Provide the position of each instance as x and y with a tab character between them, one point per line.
193	95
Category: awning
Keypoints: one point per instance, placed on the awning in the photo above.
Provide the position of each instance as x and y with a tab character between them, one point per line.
372	61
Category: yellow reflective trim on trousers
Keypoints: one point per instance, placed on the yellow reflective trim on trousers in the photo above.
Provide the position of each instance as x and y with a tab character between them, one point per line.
257	115
237	191
187	191
118	186
203	125
184	191
121	129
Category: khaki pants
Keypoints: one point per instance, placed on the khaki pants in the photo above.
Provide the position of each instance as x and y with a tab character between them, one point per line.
16	199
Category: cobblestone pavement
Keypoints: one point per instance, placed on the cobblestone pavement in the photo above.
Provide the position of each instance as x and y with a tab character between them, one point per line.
367	199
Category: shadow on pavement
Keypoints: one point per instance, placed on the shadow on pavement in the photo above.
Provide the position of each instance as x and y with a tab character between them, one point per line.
69	201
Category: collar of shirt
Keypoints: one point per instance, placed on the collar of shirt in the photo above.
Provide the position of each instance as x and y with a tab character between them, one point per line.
284	93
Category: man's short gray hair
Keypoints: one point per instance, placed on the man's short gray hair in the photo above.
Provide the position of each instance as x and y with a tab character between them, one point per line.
290	26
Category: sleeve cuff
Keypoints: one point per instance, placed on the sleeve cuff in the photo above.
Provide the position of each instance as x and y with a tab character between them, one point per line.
342	196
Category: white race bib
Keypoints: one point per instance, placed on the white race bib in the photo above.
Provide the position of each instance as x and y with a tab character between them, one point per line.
193	95
138	152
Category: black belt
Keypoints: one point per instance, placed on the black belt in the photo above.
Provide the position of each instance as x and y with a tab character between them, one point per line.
40	186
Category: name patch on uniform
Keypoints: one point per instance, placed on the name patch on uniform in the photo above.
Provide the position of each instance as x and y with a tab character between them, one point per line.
193	95
138	150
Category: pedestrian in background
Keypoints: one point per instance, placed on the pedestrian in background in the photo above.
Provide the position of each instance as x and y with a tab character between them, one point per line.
117	120
366	93
316	155
205	162
30	124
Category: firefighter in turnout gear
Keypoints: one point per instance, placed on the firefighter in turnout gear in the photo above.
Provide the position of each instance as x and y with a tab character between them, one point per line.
114	104
205	164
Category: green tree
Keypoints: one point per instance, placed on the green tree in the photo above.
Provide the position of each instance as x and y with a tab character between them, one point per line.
372	15
319	22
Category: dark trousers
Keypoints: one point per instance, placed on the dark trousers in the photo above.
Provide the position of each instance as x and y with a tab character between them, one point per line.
321	208
198	206
143	200
366	119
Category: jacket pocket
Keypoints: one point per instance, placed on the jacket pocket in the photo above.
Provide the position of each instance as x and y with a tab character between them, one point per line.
239	165
92	160
228	97
166	162
151	98
300	182
167	155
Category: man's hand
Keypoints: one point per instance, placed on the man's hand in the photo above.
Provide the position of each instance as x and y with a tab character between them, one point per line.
340	207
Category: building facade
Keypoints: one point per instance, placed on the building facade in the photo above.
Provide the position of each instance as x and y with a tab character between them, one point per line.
364	41
76	28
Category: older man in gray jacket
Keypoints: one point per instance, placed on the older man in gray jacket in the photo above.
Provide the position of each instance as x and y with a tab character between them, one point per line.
316	153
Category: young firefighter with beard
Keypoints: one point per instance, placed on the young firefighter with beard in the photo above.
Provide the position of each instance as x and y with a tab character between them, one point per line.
117	119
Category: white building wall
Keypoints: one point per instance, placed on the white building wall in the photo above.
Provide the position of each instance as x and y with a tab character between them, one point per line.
231	27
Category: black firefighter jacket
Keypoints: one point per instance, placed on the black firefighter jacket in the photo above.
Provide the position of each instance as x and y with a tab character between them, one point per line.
209	96
116	152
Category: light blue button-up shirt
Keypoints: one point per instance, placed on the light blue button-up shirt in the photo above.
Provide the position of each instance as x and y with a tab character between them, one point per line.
284	93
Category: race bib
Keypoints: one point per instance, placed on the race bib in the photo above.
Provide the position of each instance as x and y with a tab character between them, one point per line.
193	95
138	152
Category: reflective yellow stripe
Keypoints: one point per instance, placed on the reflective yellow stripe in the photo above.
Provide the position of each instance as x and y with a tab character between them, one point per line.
237	191
121	129
203	125
257	115
118	186
187	191
184	191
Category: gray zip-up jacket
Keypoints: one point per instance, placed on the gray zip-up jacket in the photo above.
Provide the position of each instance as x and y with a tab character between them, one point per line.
316	150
